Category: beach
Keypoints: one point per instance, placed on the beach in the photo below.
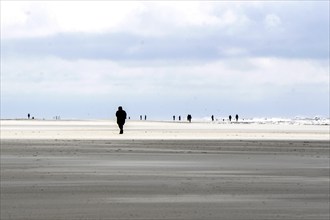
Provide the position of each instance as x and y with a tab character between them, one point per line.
160	130
80	169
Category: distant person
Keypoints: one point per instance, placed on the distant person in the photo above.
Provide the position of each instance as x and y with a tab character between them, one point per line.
212	117
229	117
189	118
121	117
145	117
179	117
141	117
236	117
29	116
173	117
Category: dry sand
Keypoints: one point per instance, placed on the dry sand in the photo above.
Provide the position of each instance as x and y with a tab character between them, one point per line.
85	170
106	129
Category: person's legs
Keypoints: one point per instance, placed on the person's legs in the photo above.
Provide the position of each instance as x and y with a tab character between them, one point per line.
121	127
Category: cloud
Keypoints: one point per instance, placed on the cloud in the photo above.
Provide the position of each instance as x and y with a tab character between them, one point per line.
123	46
166	55
37	19
272	21
162	87
30	19
22	19
95	77
164	30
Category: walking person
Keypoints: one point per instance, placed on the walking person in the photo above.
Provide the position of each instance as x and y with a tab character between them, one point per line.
189	118
121	117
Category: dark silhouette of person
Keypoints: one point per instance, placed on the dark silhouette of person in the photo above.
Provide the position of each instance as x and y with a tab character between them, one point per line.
179	117
189	118
212	117
229	117
140	117
29	116
173	117
121	117
236	117
145	117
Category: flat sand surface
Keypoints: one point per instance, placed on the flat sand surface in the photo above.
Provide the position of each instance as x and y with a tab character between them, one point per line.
173	176
108	129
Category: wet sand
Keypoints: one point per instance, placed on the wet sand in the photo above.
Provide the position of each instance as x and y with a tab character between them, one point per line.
164	179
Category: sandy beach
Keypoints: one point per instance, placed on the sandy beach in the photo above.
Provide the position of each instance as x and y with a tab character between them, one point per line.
159	130
163	170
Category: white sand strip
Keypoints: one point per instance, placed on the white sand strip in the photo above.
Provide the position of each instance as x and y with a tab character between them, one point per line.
107	129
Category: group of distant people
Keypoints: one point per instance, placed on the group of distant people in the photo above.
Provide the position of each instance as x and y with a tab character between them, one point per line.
188	118
29	116
174	117
145	117
236	117
122	115
55	117
230	117
121	118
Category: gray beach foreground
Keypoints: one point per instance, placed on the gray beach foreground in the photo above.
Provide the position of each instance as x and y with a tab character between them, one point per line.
164	179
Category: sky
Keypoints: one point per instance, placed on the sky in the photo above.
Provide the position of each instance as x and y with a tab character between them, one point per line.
83	59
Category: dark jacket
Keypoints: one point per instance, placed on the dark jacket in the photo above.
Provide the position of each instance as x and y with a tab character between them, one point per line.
121	116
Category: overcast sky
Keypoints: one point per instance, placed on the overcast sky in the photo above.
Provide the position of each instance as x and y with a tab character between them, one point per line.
84	59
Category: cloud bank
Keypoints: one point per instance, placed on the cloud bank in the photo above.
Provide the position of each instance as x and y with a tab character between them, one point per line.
82	59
